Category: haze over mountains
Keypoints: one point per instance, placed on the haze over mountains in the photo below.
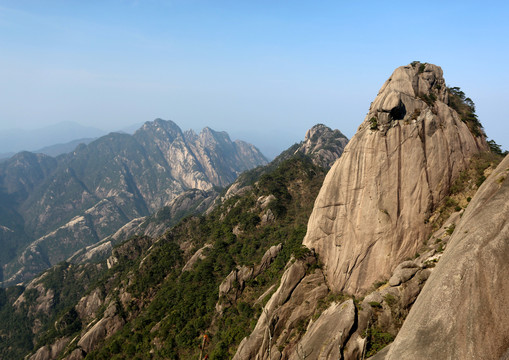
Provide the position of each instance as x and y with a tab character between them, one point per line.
54	207
51	140
15	140
392	245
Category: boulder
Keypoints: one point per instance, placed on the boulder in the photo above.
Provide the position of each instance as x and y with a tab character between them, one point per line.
403	273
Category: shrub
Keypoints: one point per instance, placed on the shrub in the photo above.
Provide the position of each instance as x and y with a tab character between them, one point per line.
373	122
390	299
377	284
377	340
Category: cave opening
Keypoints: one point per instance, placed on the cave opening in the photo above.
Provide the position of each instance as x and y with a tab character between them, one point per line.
398	112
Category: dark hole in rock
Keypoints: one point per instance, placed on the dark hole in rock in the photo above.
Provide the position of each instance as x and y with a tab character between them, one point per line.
398	112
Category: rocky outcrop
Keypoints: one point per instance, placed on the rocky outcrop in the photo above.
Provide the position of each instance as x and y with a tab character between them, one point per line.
104	328
89	304
323	145
325	338
461	312
198	255
373	207
284	318
232	286
50	352
190	202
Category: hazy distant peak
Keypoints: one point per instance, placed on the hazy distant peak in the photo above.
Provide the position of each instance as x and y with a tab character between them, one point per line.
210	135
164	128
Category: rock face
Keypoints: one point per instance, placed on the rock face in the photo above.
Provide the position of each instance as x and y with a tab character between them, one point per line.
291	305
372	209
462	311
51	208
326	336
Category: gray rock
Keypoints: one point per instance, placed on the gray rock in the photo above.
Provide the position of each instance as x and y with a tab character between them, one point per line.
76	354
403	273
89	304
233	285
103	329
325	338
50	352
462	313
323	145
382	354
198	255
283	314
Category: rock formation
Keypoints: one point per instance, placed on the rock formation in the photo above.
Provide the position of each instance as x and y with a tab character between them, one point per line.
323	145
462	311
289	307
372	209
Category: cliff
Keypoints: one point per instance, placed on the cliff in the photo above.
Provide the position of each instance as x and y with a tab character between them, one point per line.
374	204
462	312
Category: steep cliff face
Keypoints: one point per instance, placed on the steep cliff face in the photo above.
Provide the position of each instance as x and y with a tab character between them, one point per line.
373	207
462	312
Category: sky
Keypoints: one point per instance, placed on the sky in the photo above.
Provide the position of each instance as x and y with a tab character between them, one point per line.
264	71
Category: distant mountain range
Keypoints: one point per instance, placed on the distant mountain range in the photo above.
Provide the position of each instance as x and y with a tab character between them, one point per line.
51	207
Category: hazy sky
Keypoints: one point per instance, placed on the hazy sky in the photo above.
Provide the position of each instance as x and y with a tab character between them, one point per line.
264	71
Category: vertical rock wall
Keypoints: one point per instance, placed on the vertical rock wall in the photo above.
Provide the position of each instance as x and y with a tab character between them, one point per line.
372	210
462	311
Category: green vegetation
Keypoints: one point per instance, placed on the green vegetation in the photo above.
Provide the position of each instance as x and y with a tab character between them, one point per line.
466	110
465	186
324	303
390	300
450	229
429	99
375	304
373	123
377	284
496	149
376	340
180	306
421	68
67	283
173	309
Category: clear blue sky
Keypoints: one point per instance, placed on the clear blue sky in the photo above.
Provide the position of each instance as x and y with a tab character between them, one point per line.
264	71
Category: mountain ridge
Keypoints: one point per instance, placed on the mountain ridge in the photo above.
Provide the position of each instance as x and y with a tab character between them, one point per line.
91	192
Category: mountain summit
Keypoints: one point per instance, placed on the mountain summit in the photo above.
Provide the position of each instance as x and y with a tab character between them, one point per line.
373	207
